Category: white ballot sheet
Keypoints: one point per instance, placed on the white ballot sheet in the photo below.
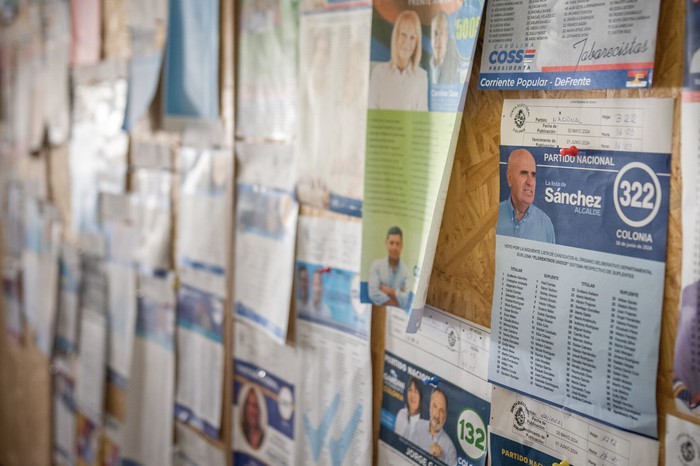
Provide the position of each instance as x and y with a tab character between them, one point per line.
334	76
266	222
562	45
265	393
152	212
206	174
580	251
267	70
40	270
334	417
89	390
682	442
435	399
525	431
200	342
64	426
120	236
148	425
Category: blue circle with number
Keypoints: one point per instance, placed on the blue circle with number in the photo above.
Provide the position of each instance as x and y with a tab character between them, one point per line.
637	194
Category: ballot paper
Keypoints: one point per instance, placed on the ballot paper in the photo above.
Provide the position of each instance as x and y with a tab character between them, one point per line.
563	45
334	405
120	234
266	224
191	68
193	450
68	315
98	146
437	374
580	255
152	205
334	74
265	393
148	427
206	174
682	442
686	364
412	125
525	431
64	425
40	270
200	342
267	70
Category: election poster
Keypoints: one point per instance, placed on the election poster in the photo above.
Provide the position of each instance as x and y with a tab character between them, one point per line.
40	258
267	70
435	397
580	255
265	393
420	59
334	402
686	364
682	442
561	44
200	342
525	431
266	225
148	425
334	76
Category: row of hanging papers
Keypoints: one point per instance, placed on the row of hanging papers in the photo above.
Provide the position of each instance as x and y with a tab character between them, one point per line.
133	223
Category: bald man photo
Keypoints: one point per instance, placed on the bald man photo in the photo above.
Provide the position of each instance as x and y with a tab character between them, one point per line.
517	216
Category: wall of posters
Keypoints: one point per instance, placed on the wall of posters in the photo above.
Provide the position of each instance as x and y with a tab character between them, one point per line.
580	255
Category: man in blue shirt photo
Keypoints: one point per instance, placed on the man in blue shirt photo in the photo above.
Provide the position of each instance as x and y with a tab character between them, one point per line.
517	216
430	436
388	276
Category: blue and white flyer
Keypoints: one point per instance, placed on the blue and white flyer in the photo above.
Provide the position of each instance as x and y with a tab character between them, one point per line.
686	364
334	410
436	399
562	44
266	225
148	427
265	397
525	431
580	255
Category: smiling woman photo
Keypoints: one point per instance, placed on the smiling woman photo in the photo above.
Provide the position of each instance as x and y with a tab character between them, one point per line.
400	83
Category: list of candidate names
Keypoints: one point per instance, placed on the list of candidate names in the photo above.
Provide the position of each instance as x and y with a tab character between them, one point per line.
573	338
